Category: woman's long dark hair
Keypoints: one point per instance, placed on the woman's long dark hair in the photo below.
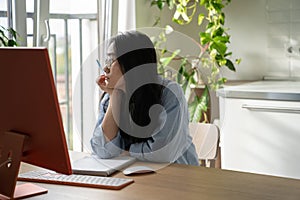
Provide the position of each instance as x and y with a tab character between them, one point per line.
134	49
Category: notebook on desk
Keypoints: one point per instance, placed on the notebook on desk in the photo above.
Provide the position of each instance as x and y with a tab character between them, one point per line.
92	165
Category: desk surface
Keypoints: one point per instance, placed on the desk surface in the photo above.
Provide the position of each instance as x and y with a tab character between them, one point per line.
184	182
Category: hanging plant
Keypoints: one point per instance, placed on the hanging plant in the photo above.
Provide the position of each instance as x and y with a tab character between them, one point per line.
187	75
215	36
214	51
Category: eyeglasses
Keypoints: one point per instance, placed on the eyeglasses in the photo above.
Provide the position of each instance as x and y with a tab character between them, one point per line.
109	62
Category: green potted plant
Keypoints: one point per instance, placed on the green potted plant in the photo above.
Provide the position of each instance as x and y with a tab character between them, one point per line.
8	37
214	51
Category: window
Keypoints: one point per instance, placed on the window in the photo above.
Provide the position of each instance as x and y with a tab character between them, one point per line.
73	49
3	13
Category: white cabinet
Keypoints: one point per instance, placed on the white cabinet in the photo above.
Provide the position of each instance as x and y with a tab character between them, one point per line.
260	135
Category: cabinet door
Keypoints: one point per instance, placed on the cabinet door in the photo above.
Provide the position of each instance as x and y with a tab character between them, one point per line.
261	136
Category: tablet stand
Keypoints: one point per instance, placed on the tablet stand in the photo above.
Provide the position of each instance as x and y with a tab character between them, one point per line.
11	150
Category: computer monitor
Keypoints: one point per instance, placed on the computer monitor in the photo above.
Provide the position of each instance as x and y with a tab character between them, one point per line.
31	128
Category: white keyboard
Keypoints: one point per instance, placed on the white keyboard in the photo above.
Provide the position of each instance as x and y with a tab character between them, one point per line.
75	180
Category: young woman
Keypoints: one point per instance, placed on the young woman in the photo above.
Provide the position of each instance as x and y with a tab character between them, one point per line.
140	112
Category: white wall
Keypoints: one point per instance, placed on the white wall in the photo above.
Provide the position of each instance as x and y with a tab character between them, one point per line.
261	34
247	23
261	31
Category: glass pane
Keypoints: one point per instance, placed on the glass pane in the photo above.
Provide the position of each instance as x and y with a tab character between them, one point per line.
3	21
65	53
3	9
57	29
30	6
73	6
29	23
3	5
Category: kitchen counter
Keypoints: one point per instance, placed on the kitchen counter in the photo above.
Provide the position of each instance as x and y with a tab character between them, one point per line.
259	125
268	90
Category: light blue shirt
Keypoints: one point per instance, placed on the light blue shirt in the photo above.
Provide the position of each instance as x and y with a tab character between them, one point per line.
171	144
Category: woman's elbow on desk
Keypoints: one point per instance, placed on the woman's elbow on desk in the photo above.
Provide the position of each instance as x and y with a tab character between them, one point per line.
161	156
105	151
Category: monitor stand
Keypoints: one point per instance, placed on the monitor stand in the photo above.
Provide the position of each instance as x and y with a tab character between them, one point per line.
11	150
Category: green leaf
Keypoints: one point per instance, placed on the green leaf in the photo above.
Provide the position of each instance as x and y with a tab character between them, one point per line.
209	25
221	39
184	3
192	108
13	32
185	86
217	6
238	61
228	54
205	38
157	21
222	18
218	32
199	106
11	43
230	65
154	3
188	90
2	33
177	13
185	17
170	4
3	42
222	62
202	2
166	60
221	81
198	110
168	29
159	3
178	21
192	79
200	18
219	46
180	73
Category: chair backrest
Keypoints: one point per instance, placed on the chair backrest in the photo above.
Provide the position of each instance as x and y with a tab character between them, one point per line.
206	140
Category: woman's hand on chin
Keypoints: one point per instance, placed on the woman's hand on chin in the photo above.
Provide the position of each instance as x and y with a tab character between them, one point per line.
102	83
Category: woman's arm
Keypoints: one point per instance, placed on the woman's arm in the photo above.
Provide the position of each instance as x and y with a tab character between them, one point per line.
111	117
109	124
106	141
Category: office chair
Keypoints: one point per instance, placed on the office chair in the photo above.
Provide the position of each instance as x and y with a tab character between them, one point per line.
206	140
